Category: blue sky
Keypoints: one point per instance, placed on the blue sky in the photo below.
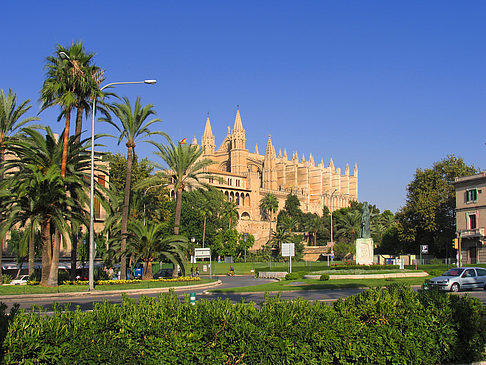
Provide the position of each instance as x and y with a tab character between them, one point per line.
391	85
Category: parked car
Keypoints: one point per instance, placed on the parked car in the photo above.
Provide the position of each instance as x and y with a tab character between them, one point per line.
165	273
22	280
461	278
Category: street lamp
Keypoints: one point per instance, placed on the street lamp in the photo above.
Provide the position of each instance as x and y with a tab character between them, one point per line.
332	238
91	195
193	240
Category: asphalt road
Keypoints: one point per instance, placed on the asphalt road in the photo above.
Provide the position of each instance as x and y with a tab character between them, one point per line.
86	302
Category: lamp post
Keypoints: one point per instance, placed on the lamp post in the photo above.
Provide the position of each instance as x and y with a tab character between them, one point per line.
332	237
91	195
193	240
245	239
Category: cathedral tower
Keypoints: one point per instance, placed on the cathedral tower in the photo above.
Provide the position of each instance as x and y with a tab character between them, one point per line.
208	139
238	155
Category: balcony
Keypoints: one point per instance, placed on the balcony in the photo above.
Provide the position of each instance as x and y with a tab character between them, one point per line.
473	233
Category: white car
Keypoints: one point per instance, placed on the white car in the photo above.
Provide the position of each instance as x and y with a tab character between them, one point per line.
461	278
20	281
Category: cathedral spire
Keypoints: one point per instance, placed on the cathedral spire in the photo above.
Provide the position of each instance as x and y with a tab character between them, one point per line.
303	158
355	169
207	141
285	154
269	151
256	149
347	169
208	133
331	164
311	160
238	126
238	137
280	153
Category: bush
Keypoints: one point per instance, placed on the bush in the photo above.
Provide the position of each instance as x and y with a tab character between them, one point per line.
324	277
378	326
294	276
7	279
435	272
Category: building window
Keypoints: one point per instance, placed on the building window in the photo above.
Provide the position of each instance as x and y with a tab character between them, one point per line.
211	180
238	183
472	221
230	182
471	195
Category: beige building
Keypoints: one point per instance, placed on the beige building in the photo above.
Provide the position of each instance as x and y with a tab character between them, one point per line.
471	217
248	176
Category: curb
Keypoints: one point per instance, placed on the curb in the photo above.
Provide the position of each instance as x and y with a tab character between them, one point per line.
110	292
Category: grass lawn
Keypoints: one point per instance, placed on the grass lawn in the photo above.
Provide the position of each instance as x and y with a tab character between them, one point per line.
313	284
36	289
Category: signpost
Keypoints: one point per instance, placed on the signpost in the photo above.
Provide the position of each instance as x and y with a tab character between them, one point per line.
288	249
204	253
424	249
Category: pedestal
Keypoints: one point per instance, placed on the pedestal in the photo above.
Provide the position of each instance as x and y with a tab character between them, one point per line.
364	251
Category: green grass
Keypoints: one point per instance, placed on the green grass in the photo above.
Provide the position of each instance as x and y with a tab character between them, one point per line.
313	284
36	289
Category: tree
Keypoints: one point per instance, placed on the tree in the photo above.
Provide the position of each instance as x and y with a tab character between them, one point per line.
38	197
10	124
348	225
186	168
428	216
134	128
269	205
147	243
292	206
312	223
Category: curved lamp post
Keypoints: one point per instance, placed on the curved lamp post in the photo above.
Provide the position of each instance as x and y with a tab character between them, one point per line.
91	196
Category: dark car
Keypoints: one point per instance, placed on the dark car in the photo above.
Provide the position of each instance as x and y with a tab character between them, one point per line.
165	273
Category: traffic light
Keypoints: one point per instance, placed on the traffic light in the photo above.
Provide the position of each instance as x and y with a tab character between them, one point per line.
455	243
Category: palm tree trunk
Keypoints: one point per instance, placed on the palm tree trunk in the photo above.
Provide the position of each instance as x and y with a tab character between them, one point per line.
54	269
79	123
2	243
125	209
204	231
270	233
65	143
31	253
46	247
178	209
74	258
147	274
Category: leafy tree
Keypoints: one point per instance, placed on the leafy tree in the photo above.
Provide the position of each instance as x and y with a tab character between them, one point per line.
134	128
348	224
428	216
269	205
141	170
292	206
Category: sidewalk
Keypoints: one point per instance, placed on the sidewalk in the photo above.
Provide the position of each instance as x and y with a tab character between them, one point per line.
111	292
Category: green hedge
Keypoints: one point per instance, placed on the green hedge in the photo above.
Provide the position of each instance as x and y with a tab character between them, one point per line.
380	326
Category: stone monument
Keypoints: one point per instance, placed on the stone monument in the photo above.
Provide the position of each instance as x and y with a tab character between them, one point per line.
364	244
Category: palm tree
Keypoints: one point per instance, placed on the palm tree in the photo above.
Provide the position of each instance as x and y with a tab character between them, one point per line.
134	128
269	204
147	243
41	197
10	123
186	168
313	225
229	210
280	235
349	224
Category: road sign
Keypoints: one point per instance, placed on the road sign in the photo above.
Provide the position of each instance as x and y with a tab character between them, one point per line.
288	249
424	249
202	253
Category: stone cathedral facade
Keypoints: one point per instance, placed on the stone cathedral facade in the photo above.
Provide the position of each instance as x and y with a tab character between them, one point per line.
246	177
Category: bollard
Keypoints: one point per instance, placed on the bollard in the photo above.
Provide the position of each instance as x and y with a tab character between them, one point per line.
192	298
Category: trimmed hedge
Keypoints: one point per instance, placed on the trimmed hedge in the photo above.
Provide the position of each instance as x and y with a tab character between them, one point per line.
379	326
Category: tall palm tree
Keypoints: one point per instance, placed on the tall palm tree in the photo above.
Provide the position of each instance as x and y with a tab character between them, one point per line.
186	168
147	243
133	128
269	204
229	210
10	124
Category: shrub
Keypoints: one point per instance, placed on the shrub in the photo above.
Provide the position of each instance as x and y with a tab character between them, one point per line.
378	326
7	279
324	277
293	276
